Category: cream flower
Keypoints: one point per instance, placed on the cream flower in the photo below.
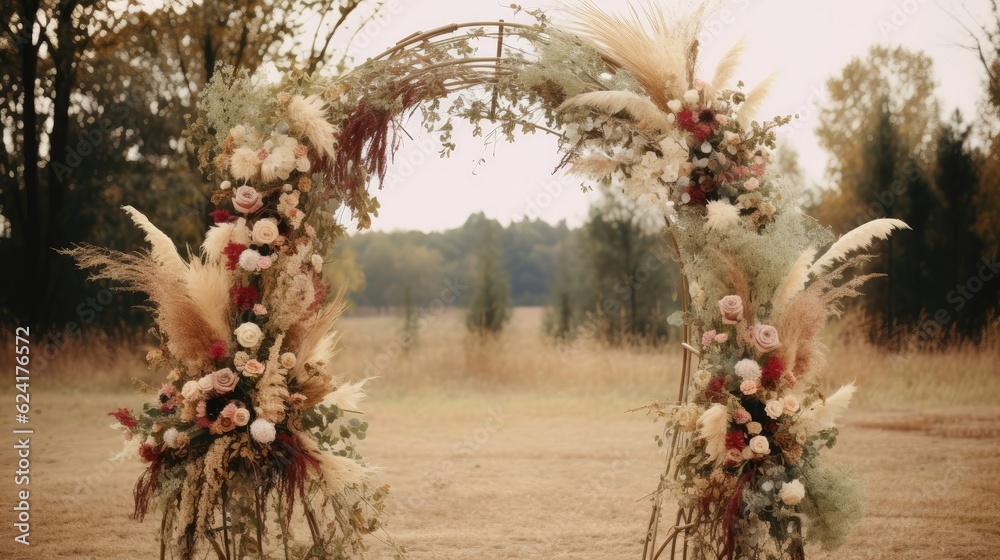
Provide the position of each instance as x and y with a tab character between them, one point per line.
792	492
241	417
791	403
288	360
754	428
170	437
774	409
205	384
190	390
759	445
265	231
244	164
241	358
702	377
747	370
317	262
247	199
248	335
278	165
731	308
765	338
249	260
262	431
721	216
691	97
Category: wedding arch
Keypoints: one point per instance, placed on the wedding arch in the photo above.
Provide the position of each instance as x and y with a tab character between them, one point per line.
251	433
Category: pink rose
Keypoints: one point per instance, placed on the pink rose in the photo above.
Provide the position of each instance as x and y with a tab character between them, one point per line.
224	381
707	338
731	308
262	154
254	367
259	310
741	416
748	387
264	263
228	411
721	338
300	151
247	200
751	184
790	379
765	338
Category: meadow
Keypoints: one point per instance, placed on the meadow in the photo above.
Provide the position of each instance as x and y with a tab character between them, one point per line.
517	448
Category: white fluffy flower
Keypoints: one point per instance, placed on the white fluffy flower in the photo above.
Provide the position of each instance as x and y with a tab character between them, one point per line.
748	370
721	216
262	431
244	164
774	409
249	259
792	492
759	445
170	437
265	231
278	165
248	335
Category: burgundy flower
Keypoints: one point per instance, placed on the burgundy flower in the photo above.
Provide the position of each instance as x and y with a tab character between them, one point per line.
218	350
736	440
697	196
148	453
244	297
125	418
771	372
220	215
233	252
715	390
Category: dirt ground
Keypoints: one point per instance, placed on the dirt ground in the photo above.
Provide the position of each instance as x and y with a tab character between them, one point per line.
525	475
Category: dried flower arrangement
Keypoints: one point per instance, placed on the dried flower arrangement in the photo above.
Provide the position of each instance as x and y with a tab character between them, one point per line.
251	425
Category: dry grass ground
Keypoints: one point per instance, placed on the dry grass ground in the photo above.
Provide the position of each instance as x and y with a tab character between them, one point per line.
517	450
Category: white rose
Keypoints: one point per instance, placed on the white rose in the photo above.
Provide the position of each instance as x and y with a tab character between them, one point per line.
265	231
241	417
791	403
754	428
792	492
774	409
205	384
262	431
288	360
759	445
190	390
701	377
170	437
248	335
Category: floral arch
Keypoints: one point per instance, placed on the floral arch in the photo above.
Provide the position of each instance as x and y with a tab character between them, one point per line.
251	434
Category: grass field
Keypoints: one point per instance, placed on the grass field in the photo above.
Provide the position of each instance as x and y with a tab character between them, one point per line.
518	450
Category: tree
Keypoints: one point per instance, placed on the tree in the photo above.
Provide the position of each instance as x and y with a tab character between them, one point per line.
489	307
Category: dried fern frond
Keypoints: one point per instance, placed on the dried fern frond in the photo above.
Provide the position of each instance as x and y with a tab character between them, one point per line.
306	117
795	280
726	69
858	238
594	167
655	47
712	427
161	246
611	102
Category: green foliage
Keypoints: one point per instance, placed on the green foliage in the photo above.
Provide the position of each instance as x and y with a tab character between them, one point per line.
834	502
489	307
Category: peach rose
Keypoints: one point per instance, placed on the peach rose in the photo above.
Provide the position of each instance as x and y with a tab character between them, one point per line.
247	200
731	308
765	338
748	387
253	367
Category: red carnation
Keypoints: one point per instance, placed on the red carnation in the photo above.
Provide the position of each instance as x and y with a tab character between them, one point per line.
219	349
686	120
244	297
125	418
715	391
148	453
771	372
220	215
233	252
736	440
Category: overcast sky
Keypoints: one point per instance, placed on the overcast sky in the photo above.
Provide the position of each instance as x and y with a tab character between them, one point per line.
805	41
